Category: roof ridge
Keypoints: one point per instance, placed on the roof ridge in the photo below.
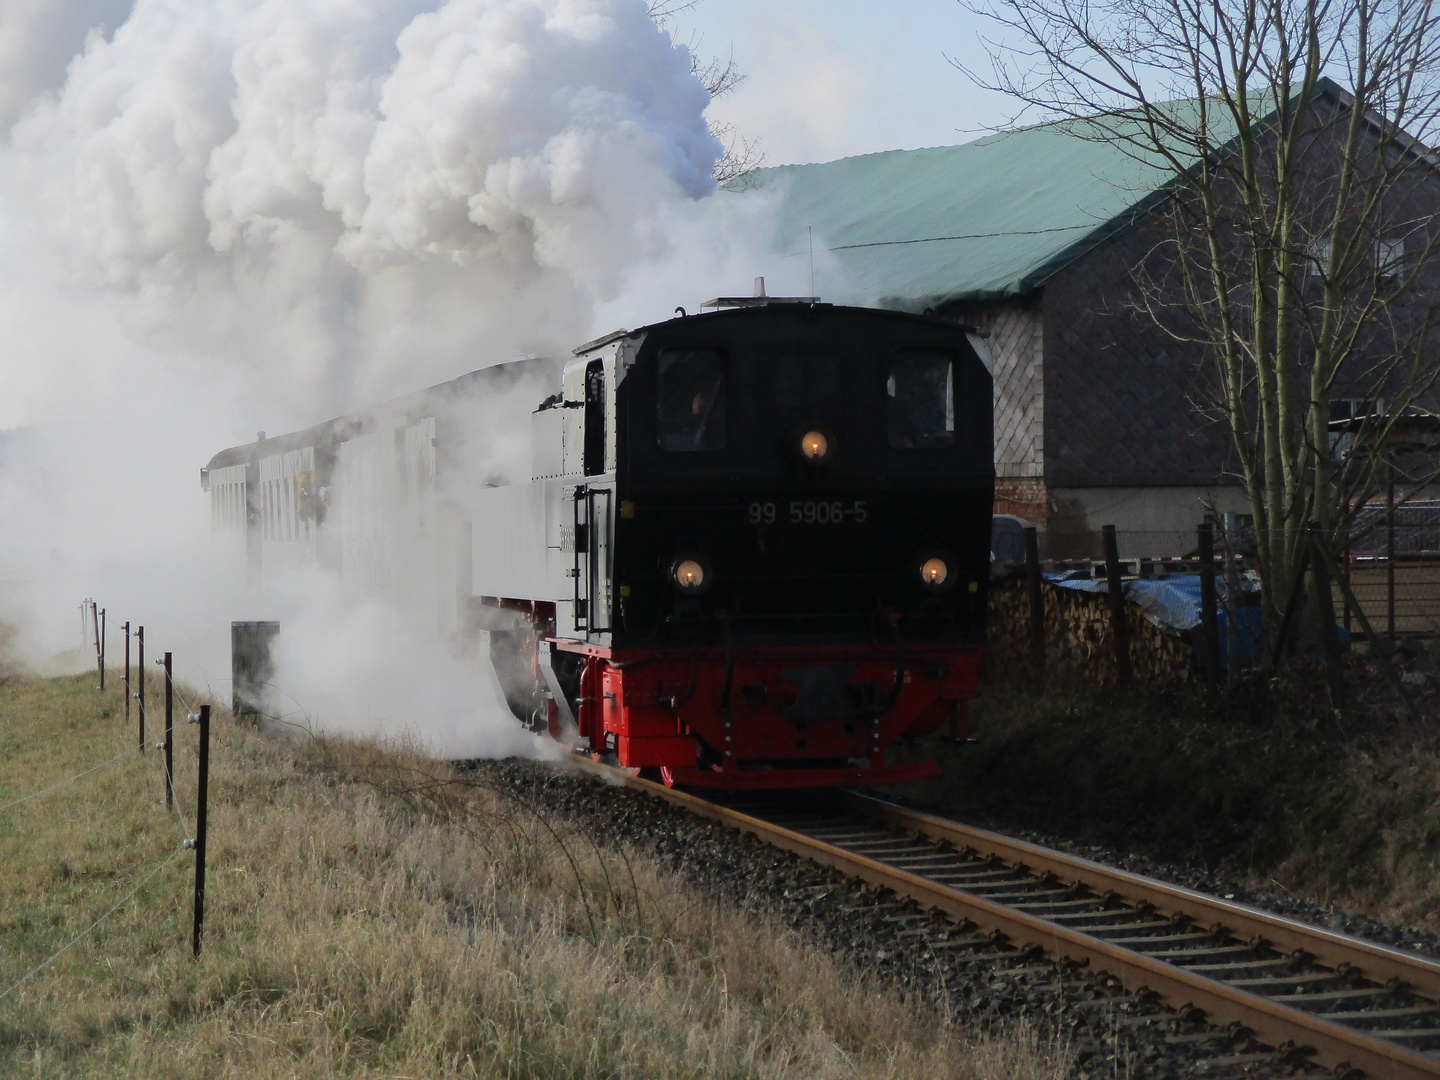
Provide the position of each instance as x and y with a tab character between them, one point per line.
1324	87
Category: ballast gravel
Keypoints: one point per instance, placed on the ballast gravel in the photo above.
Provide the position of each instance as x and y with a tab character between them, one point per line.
1112	1034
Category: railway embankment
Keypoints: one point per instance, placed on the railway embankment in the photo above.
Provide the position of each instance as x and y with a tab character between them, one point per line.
1104	1031
1259	789
371	912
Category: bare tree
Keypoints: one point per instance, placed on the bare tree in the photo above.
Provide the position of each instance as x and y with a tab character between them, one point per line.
1299	258
719	77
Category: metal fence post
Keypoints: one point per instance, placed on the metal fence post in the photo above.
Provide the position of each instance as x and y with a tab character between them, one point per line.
140	680
1347	591
1037	599
1229	534
102	648
1209	620
1390	555
1118	626
95	621
1381	654
202	799
169	750
126	628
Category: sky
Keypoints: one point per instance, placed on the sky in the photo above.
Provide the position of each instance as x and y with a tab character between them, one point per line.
828	80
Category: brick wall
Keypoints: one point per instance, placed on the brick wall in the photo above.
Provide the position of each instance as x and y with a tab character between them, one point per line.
1025	497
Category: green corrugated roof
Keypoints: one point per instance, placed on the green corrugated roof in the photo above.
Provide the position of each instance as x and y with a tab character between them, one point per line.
991	218
988	219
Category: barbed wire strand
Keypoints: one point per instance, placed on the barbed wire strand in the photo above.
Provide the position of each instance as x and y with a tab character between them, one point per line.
175	800
89	929
67	780
166	775
174	686
180	813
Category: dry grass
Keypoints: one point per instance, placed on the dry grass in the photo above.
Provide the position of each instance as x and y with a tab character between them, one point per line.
1371	841
371	916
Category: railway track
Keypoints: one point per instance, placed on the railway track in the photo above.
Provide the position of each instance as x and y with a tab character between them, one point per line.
1352	1007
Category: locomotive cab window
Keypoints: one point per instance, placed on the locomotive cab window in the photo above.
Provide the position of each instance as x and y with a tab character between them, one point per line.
920	399
690	400
594	445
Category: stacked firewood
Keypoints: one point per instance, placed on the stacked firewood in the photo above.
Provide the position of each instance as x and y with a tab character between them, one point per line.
1079	646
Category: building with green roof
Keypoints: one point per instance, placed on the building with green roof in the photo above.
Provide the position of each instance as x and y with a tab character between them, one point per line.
1032	237
993	219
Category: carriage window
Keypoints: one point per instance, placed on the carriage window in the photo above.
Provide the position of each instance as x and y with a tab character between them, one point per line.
920	399
690	400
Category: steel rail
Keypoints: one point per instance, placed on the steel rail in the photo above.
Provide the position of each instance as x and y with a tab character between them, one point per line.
1271	1021
1378	963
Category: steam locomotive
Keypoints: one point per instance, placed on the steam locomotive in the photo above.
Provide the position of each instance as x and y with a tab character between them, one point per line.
751	548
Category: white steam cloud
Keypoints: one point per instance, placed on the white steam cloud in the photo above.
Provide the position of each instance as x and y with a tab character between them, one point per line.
224	215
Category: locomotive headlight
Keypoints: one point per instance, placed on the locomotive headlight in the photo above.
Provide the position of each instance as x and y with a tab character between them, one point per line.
815	447
933	572
691	573
936	574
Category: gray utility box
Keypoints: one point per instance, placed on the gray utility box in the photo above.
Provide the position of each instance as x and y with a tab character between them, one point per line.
251	668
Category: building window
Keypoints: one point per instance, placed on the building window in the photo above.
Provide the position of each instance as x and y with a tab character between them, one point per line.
1355	408
1346	416
1390	258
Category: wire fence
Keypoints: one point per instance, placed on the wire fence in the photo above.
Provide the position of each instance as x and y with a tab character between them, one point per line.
1391	567
1394	573
172	798
1152	606
70	779
93	631
91	928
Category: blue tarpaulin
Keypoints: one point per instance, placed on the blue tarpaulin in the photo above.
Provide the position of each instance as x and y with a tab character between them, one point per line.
1173	604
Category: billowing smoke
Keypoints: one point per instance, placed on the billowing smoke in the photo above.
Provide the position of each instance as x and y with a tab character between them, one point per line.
345	193
224	215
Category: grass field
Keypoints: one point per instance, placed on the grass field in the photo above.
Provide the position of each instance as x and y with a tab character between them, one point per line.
369	915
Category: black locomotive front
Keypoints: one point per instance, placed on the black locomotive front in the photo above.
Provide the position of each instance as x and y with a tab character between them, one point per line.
803	474
801	536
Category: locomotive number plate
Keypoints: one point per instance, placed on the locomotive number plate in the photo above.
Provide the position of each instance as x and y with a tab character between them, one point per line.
808	512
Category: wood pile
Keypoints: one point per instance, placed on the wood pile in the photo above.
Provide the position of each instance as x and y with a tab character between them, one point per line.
1079	648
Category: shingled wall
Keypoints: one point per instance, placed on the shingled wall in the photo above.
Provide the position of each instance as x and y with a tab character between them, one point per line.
1121	407
1089	392
1014	332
